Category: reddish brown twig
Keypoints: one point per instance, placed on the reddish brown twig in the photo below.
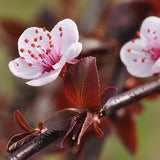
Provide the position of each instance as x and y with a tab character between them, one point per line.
124	99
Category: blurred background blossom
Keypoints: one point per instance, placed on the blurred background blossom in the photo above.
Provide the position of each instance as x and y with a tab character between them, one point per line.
104	25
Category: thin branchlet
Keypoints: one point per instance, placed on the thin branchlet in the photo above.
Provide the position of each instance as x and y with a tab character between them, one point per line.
124	99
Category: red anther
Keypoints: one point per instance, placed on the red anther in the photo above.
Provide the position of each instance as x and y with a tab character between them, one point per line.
33	45
29	51
48	51
36	30
32	55
35	39
60	29
51	46
40	37
155	37
154	32
39	46
30	64
22	50
36	58
61	34
133	40
44	29
49	36
43	55
148	30
135	60
129	50
138	33
23	58
143	60
26	40
40	55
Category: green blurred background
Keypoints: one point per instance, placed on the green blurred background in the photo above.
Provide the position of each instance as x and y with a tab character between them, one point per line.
148	124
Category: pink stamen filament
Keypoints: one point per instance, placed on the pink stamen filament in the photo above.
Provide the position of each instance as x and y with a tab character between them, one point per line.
60	44
55	55
44	62
53	50
136	52
142	37
44	55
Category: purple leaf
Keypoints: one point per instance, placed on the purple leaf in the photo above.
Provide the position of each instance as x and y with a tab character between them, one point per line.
81	84
19	139
107	93
87	122
126	131
21	122
60	121
71	137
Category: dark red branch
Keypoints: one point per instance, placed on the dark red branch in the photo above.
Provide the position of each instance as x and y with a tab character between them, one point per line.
113	104
124	99
35	145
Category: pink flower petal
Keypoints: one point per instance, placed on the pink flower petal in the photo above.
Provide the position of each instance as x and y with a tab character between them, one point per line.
66	33
156	67
41	50
45	78
150	28
141	56
72	52
141	70
32	43
131	51
20	68
132	56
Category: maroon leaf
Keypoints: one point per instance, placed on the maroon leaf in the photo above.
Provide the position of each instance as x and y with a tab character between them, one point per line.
136	108
79	125
156	5
107	93
60	121
98	130
125	18
19	139
63	102
81	84
87	122
12	30
21	122
71	137
126	131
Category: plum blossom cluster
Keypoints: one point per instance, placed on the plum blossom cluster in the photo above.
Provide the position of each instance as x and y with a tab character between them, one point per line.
43	54
141	56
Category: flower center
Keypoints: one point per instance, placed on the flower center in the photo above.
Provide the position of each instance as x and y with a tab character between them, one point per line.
42	50
48	59
149	55
154	53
